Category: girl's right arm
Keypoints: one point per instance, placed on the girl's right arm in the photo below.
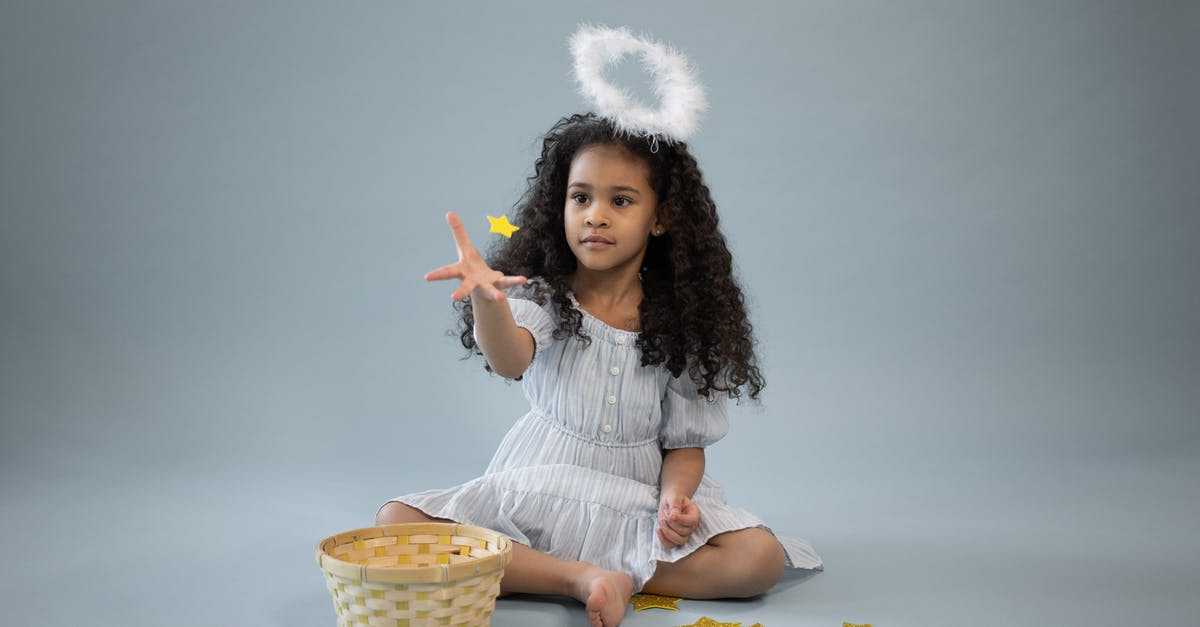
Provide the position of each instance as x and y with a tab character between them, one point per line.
507	347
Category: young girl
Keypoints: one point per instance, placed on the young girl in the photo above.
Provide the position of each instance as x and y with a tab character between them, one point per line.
629	334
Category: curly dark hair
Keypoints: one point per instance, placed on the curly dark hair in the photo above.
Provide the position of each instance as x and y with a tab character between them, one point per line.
693	315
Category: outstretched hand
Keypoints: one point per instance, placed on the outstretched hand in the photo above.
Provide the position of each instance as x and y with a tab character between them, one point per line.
476	278
678	517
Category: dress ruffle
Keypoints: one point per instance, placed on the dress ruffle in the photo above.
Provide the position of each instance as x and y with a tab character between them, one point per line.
613	527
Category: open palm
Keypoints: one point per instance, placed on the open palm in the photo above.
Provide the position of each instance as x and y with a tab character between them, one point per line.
476	278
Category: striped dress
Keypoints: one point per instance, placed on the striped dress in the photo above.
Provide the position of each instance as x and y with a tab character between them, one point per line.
577	476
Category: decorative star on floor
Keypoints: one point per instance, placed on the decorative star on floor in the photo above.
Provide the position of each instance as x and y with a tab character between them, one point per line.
708	622
502	226
845	624
646	601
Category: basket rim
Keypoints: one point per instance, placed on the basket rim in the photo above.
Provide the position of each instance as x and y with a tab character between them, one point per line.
437	573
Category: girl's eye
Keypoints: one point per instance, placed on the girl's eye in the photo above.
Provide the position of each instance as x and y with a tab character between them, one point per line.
621	201
580	198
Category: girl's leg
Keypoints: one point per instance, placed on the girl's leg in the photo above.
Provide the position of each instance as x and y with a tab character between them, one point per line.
742	563
605	593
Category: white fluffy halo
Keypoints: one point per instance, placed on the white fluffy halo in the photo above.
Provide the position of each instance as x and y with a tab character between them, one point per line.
681	96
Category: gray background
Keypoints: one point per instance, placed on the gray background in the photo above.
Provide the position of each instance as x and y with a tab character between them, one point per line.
967	232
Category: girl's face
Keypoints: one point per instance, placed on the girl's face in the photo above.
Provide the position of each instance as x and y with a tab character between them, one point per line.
611	209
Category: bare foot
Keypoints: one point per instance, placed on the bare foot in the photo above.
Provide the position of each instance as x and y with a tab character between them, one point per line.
606	594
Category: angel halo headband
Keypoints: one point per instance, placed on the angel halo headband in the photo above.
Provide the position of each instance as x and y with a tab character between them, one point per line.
681	96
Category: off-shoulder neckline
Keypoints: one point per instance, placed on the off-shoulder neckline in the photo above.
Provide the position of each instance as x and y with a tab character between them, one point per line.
602	324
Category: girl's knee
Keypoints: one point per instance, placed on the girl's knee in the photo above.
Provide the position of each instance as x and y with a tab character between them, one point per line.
761	561
395	512
773	558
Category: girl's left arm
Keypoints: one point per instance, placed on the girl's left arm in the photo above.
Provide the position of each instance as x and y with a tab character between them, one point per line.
678	515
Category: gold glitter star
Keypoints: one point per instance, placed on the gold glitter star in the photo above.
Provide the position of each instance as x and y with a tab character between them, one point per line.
502	226
708	622
845	624
646	601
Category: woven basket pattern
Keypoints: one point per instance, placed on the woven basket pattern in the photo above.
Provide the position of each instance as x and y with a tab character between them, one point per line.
414	574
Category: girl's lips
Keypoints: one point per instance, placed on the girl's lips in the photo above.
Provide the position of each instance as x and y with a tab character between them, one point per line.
596	240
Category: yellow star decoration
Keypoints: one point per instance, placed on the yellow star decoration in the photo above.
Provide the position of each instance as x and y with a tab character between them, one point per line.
646	601
502	226
845	624
708	622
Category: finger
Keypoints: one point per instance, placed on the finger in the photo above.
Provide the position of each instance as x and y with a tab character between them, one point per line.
682	521
462	292
665	541
510	281
681	529
680	515
452	271
671	536
460	232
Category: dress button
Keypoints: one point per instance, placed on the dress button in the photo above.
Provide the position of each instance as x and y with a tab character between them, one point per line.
615	371
620	339
607	428
612	400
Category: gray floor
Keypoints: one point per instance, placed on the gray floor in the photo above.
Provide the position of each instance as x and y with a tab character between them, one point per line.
1032	543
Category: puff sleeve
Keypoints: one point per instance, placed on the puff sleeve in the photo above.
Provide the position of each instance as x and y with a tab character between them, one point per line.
690	420
532	317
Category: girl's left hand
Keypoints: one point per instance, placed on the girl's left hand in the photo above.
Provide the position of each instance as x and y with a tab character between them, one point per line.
678	517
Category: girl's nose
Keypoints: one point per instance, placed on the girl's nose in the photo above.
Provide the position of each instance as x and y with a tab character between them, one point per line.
595	219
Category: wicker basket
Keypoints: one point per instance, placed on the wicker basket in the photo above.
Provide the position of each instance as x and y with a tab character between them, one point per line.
414	574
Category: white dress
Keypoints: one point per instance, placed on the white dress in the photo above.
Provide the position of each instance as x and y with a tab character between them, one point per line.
577	476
